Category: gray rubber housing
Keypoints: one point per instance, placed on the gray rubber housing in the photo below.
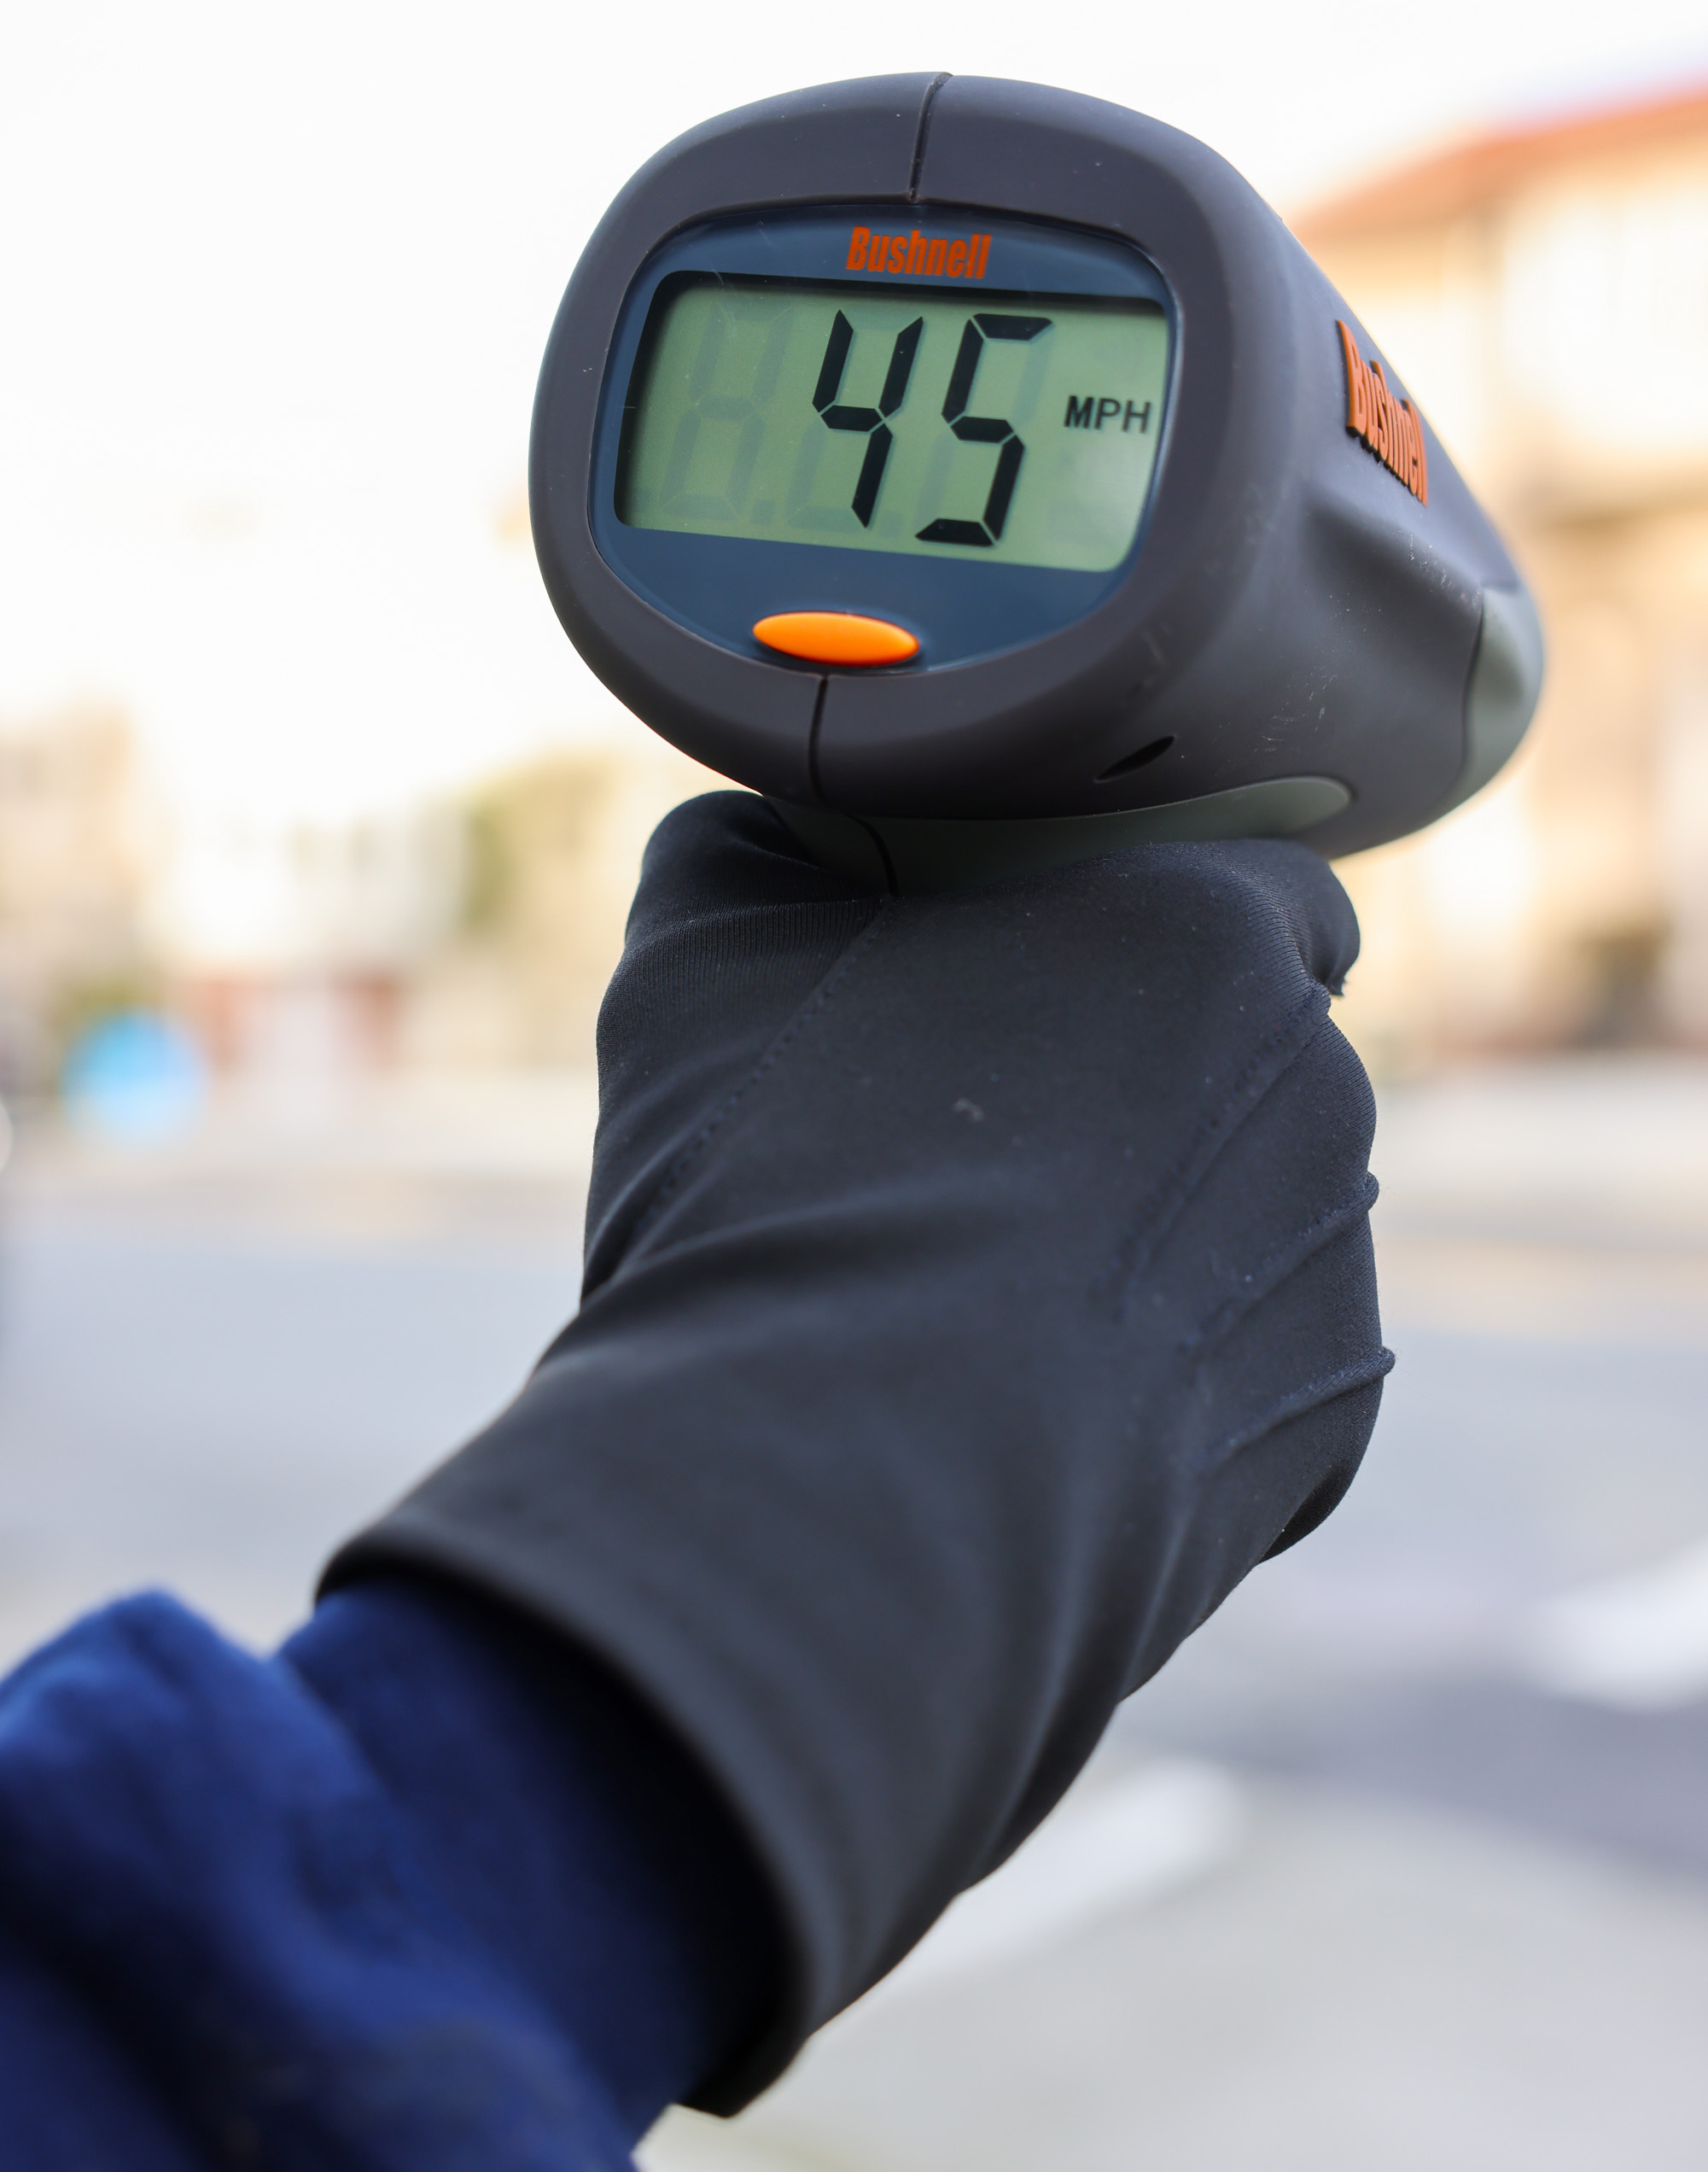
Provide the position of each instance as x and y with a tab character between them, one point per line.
1295	617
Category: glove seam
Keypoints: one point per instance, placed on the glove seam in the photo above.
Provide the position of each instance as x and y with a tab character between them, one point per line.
1326	1387
817	1001
1285	1260
1134	1251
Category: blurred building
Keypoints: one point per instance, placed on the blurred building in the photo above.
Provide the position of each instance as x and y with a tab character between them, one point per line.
74	865
1544	295
477	931
291	946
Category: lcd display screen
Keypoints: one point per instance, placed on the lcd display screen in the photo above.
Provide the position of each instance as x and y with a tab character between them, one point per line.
1017	427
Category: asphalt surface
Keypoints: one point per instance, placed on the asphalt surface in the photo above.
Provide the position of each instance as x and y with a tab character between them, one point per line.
1402	1861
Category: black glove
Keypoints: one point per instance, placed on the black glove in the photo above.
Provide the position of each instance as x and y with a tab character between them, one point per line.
977	1286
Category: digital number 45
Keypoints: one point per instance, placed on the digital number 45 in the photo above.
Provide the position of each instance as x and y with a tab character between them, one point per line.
978	429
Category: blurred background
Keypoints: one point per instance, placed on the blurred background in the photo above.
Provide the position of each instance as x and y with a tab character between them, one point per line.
316	841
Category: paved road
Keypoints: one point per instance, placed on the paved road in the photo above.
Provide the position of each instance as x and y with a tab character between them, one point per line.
1402	1862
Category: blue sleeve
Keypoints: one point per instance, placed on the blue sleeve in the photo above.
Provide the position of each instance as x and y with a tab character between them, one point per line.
426	1891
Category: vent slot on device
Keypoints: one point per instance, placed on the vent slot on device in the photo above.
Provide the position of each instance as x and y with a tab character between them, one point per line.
1129	762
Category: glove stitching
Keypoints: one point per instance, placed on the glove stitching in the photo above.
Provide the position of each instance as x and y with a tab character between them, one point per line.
1284	1260
1136	1249
1326	1387
816	1001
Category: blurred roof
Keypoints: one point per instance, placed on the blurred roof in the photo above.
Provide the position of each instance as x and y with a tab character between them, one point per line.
1487	167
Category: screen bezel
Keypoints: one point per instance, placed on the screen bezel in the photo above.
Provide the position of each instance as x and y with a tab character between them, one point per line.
720	585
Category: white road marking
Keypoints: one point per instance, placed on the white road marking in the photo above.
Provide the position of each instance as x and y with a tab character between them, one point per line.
1640	1641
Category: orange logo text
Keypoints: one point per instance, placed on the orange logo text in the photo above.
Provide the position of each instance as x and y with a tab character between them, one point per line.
1391	427
934	255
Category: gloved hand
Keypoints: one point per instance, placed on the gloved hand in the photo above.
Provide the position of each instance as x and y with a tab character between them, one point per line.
977	1287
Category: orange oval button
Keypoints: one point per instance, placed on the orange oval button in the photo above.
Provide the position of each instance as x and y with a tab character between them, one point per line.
837	637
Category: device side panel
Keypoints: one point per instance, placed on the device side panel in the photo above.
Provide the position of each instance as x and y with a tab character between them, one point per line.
1364	608
1397	558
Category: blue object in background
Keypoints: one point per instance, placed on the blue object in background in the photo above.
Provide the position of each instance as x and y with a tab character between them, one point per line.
136	1079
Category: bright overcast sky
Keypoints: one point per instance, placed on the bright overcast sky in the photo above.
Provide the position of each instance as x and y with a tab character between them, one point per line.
274	282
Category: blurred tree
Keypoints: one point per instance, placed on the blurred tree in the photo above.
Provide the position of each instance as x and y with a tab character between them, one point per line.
550	852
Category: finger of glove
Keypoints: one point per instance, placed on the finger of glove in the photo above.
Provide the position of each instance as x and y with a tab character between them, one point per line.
732	930
1306	898
737	936
726	852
